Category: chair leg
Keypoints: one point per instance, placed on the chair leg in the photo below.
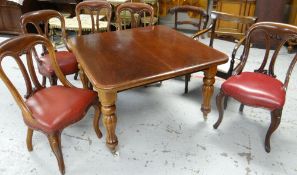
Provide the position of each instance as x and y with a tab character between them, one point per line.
83	77
29	139
241	107
96	119
219	100
226	102
75	76
275	121
44	81
55	143
187	79
53	80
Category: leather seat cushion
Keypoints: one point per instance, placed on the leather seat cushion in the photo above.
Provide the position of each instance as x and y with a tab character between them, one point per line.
256	89
56	107
66	60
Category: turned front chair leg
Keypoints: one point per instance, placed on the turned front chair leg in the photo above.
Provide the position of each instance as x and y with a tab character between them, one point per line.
29	139
96	119
275	121
55	143
219	102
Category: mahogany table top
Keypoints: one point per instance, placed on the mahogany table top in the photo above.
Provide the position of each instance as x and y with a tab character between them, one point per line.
125	59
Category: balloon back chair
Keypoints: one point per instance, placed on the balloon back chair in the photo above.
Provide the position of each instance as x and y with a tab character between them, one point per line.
39	20
130	13
45	109
261	88
97	10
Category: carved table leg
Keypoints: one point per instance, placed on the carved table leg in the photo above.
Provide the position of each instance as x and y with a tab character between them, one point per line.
108	109
207	89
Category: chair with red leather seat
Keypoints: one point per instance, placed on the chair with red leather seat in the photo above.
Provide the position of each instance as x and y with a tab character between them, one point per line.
261	88
66	59
45	109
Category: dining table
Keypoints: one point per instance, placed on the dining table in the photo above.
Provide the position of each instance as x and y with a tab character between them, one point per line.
121	60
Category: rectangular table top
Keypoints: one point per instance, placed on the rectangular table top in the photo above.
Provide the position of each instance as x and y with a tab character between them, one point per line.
124	59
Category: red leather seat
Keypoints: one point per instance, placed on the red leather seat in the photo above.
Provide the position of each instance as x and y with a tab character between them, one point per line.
45	109
256	89
66	61
57	107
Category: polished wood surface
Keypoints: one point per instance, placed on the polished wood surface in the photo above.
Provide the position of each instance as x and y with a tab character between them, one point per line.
116	61
161	58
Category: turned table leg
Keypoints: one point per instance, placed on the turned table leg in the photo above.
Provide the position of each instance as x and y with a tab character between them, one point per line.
108	109
207	89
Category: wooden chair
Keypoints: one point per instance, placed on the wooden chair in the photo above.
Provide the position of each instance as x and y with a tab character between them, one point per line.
66	59
156	6
130	13
225	70
94	9
261	88
199	23
45	109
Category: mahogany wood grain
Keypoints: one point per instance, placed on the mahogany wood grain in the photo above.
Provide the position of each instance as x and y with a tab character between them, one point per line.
107	58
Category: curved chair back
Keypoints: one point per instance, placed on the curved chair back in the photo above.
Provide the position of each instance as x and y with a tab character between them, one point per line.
12	49
200	23
94	9
278	33
39	20
45	109
244	21
131	12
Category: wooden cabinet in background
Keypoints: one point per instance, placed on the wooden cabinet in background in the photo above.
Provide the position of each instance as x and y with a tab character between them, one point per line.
235	7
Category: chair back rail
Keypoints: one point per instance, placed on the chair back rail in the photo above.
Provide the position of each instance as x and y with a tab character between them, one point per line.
277	32
246	21
203	17
93	7
40	20
13	49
